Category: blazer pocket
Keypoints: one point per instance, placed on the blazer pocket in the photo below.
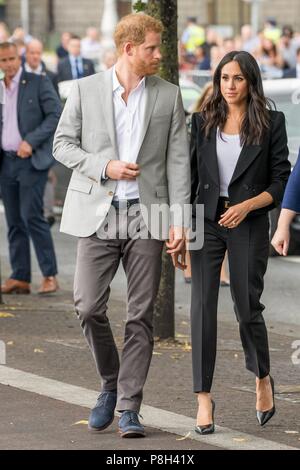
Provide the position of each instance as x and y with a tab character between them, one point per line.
161	191
81	186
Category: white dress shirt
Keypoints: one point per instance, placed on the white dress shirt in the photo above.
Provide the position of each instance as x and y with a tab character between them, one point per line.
128	124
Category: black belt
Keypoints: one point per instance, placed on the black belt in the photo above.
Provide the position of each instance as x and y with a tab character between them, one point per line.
223	203
124	203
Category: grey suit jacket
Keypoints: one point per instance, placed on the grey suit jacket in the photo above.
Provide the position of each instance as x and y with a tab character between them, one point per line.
85	141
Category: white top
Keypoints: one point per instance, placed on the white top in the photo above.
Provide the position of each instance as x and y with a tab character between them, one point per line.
128	123
228	152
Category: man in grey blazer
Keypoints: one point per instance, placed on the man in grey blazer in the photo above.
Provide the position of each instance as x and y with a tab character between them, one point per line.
123	133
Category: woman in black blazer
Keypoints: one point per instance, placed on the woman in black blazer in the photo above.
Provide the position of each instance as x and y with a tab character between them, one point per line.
240	167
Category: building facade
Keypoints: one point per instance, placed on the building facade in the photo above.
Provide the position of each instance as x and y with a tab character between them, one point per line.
76	15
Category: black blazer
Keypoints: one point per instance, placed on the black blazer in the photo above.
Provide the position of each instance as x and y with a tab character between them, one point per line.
38	109
259	168
64	69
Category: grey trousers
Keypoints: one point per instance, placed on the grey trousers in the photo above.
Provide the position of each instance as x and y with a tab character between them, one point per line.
248	247
97	263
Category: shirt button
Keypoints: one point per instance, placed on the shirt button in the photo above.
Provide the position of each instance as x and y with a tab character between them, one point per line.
111	193
206	186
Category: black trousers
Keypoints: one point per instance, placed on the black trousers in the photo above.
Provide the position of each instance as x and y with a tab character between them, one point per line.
248	248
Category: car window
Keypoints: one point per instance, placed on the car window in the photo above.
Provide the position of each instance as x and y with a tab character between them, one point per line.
292	114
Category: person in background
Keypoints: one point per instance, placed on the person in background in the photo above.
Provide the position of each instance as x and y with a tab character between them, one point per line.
250	42
271	30
21	48
287	47
34	63
91	47
109	58
74	66
4	32
201	58
289	208
30	112
295	72
62	49
192	36
20	33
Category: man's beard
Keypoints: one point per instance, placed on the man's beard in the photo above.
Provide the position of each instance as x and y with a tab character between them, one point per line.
142	69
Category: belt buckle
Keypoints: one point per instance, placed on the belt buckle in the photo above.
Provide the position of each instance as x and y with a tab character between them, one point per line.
226	204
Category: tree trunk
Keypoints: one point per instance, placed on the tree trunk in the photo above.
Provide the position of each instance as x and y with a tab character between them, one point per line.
166	11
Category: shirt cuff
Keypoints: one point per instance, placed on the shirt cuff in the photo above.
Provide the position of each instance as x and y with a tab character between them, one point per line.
103	175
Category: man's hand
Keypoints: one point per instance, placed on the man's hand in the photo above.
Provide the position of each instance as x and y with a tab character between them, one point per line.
117	170
234	215
24	150
176	246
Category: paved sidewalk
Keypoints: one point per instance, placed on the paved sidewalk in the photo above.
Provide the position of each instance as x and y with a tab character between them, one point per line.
43	337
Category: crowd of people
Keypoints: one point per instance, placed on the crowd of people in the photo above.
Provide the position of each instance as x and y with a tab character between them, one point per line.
276	48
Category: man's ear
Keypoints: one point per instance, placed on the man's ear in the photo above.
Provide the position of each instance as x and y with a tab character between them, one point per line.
128	48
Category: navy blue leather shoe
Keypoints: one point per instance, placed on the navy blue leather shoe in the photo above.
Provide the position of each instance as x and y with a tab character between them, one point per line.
129	425
102	415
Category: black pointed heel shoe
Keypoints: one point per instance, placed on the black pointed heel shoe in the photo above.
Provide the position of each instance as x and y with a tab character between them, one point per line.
264	416
207	428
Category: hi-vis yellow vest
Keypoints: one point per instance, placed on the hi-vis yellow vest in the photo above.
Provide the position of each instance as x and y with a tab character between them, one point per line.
196	37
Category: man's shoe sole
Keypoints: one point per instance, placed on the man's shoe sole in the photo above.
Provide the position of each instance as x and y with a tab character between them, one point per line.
102	428
16	291
131	434
47	292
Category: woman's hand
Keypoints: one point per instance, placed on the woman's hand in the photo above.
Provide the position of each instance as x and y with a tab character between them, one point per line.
234	215
281	240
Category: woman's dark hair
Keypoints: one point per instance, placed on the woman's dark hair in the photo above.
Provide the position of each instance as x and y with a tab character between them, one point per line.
257	119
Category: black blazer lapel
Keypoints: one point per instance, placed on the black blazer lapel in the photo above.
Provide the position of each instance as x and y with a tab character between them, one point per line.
247	156
208	152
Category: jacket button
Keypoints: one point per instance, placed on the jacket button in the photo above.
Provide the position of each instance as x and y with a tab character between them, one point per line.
206	186
246	186
111	193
